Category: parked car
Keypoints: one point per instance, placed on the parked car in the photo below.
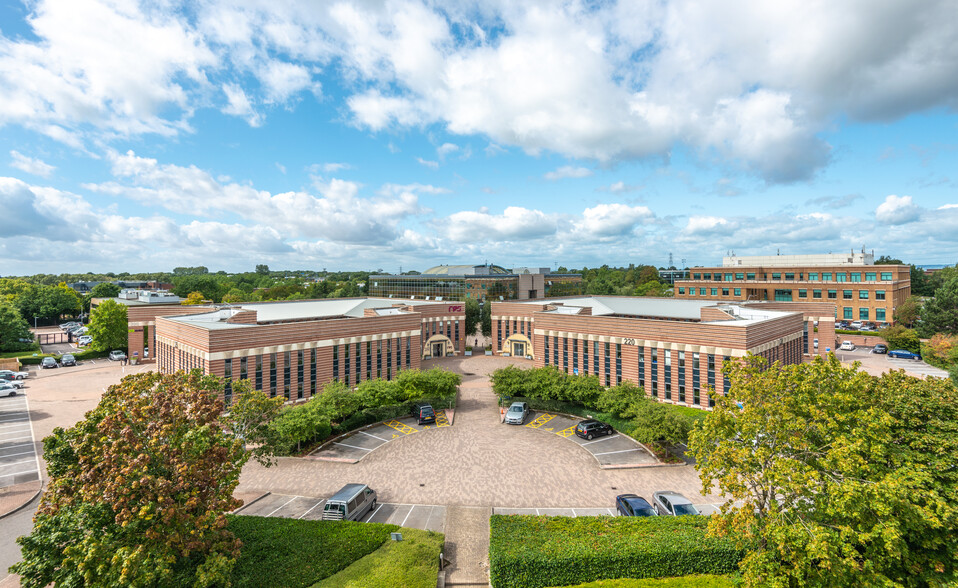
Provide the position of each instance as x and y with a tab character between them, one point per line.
517	413
880	348
903	354
12	382
350	503
815	343
856	325
632	505
84	340
593	428
68	359
117	355
668	503
847	346
867	328
69	326
423	413
14	375
48	362
8	389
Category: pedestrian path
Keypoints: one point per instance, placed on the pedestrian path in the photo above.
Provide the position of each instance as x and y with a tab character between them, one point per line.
19	463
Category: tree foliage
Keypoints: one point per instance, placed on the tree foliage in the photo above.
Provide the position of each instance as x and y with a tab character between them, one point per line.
834	477
15	332
105	290
486	319
907	312
898	337
472	317
47	303
138	490
249	418
193	299
109	326
940	314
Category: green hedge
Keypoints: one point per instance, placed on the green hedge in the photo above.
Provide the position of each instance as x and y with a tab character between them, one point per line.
410	563
79	356
293	553
680	582
560	551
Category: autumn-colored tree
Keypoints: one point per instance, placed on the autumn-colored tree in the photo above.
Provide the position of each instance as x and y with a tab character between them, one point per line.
834	477
941	348
194	298
138	490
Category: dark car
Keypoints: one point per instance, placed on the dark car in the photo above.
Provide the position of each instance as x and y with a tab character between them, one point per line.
672	503
903	354
880	348
593	428
632	505
423	413
68	359
48	362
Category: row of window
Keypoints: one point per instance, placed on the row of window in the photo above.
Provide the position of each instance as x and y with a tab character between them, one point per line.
790	276
523	327
786	295
864	314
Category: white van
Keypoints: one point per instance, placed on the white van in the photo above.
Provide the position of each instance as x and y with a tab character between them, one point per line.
350	503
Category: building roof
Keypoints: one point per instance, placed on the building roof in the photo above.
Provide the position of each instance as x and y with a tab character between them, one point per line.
289	310
465	270
667	308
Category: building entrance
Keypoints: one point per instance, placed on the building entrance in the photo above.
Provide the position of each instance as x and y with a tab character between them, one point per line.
438	349
519	349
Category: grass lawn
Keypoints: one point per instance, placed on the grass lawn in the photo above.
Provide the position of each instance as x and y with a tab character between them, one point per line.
681	582
410	563
293	553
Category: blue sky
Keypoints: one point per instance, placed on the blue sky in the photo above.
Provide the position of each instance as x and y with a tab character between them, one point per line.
373	135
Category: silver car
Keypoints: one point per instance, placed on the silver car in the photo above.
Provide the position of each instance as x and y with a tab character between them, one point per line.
668	503
517	413
8	389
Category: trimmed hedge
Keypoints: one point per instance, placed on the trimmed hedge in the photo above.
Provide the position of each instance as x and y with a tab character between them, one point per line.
680	582
294	553
560	551
79	355
410	563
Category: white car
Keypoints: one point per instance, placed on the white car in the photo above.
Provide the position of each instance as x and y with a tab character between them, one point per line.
84	340
16	375
14	383
847	346
8	389
117	355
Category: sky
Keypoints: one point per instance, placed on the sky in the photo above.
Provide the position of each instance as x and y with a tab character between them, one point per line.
367	135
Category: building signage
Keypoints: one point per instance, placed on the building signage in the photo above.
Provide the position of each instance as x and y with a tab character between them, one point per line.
627	341
454	308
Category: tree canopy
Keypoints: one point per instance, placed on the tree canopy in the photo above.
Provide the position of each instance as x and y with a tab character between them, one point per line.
835	477
15	332
138	490
108	326
940	314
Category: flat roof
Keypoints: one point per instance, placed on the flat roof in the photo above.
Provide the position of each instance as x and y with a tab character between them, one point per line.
288	310
667	308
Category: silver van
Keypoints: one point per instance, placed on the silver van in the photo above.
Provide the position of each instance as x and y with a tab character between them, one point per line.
350	503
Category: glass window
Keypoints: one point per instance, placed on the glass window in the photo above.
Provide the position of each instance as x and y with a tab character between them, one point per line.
750	276
880	314
696	276
863	314
739	276
681	290
727	277
879	294
847	313
841	277
846	294
783	295
816	293
856	277
863	294
803	293
724	291
702	292
738	291
707	276
776	276
870	276
789	276
886	276
813	276
827	276
714	291
833	294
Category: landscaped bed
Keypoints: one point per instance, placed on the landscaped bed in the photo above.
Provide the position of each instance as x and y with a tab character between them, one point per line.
680	582
410	563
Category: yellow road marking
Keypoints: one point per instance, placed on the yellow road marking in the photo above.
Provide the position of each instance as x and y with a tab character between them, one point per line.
541	420
402	428
441	420
567	432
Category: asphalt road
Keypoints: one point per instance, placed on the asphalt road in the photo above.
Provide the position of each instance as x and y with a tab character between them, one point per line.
11	527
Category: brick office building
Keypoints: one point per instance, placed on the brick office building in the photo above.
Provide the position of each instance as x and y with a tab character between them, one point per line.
479	282
294	348
673	348
860	290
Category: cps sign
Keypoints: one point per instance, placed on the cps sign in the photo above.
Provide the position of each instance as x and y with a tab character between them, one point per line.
454	308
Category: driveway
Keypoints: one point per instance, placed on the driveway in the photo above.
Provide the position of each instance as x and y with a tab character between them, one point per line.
876	363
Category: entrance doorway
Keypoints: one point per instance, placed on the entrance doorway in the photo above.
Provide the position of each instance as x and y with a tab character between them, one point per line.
438	349
519	349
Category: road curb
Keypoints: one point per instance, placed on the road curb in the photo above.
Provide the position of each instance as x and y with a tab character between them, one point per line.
23	504
250	503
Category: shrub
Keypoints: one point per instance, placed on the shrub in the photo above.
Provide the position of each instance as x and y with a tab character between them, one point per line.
680	582
559	551
898	337
410	563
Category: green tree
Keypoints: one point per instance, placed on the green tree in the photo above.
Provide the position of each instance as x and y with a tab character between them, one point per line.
940	314
108	326
472	317
48	303
262	269
139	490
907	312
486	318
898	337
886	260
834	477
15	333
249	419
193	299
105	290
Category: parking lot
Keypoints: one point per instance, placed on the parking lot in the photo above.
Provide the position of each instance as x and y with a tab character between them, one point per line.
611	451
416	516
358	444
705	509
18	457
877	363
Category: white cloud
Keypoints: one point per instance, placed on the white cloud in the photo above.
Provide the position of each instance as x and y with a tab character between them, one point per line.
709	225
514	224
330	167
568	171
238	104
428	163
30	165
445	149
897	210
613	219
620	187
947	206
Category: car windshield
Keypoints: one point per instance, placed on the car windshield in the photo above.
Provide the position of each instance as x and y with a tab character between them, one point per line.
515	409
685	509
644	512
427	411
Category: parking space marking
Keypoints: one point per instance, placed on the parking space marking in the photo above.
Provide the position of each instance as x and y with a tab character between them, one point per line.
403	523
567	432
441	420
352	446
541	420
311	509
401	427
606	438
621	451
284	504
371	435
